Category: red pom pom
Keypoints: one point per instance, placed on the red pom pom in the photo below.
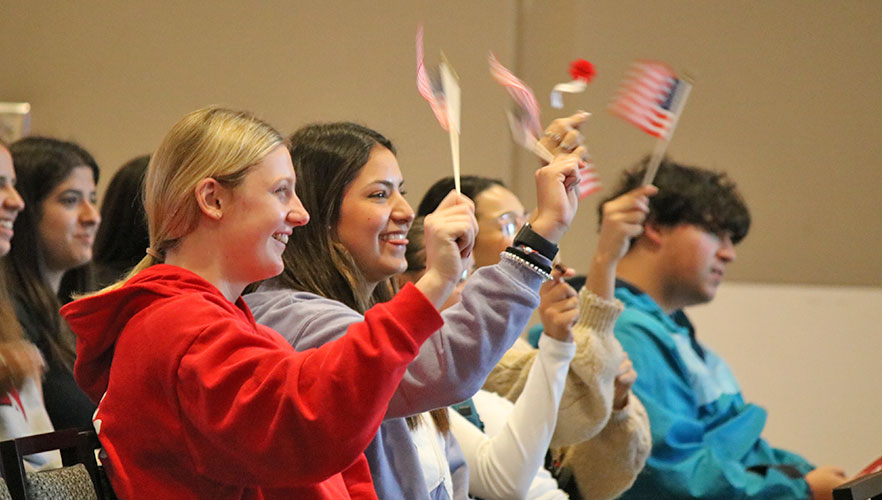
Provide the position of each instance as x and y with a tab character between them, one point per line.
581	69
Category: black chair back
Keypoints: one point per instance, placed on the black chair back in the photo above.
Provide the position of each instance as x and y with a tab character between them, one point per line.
862	488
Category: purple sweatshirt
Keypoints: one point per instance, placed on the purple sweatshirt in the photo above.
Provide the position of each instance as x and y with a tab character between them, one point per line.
452	365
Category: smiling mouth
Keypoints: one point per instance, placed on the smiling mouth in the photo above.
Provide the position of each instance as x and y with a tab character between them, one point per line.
395	238
6	224
281	237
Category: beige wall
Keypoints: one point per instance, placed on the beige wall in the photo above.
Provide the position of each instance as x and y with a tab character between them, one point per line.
787	99
810	356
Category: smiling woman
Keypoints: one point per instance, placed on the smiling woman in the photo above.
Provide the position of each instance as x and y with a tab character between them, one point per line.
48	260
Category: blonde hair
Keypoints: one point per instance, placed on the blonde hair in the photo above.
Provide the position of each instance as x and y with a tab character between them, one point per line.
212	142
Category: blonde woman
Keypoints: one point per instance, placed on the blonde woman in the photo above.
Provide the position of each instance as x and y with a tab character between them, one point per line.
196	399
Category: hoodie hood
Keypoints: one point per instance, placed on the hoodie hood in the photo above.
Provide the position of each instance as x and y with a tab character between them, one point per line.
98	320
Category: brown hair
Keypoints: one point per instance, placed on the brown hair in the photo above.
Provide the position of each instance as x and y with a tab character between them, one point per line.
327	157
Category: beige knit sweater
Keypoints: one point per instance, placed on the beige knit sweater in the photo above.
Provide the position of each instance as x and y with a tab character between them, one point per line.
604	448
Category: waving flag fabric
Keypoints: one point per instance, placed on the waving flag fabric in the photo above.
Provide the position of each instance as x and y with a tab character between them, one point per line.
520	92
647	97
431	91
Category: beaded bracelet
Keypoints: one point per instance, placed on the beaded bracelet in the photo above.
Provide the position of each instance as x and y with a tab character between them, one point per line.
507	254
531	256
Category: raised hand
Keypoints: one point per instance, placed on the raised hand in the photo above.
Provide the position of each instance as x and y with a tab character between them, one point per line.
19	360
558	306
449	237
557	196
563	136
623	219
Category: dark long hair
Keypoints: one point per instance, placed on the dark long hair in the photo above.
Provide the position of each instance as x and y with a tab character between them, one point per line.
327	157
41	164
122	236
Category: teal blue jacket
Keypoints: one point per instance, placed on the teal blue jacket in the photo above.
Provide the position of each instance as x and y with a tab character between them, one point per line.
706	441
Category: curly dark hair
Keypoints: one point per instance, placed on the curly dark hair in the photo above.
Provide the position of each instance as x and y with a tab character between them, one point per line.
689	195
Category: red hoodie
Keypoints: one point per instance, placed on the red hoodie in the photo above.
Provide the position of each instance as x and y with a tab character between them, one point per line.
197	401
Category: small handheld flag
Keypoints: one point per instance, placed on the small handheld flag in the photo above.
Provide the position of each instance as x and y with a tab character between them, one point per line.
652	98
430	89
525	125
522	94
443	95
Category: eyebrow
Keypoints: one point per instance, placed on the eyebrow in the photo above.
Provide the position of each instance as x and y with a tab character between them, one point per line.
78	192
388	184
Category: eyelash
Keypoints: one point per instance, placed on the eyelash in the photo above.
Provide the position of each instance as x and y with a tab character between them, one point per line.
384	194
69	201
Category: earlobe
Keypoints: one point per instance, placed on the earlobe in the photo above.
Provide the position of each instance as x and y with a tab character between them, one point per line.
208	195
652	234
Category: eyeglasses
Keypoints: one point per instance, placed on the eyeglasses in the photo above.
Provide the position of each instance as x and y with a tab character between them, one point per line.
510	223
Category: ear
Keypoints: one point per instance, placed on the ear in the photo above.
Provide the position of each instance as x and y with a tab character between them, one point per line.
653	234
210	196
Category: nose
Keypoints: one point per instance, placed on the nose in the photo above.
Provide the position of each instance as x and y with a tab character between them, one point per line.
12	201
89	215
726	253
402	213
297	214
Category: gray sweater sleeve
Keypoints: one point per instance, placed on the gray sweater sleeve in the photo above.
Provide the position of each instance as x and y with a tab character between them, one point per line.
496	304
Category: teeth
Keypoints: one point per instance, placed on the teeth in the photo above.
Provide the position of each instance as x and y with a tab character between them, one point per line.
7	224
393	236
281	237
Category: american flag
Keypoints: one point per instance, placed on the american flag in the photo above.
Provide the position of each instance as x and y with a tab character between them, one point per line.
647	97
520	92
431	91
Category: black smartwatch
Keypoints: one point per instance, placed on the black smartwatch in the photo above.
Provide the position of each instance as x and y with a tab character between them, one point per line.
528	238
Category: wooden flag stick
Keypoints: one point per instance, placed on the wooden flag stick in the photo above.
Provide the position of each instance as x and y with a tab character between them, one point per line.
454	153
661	145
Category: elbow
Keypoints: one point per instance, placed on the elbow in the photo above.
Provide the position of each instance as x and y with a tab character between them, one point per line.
465	390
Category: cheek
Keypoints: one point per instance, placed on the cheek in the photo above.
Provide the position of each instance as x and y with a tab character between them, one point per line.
52	227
